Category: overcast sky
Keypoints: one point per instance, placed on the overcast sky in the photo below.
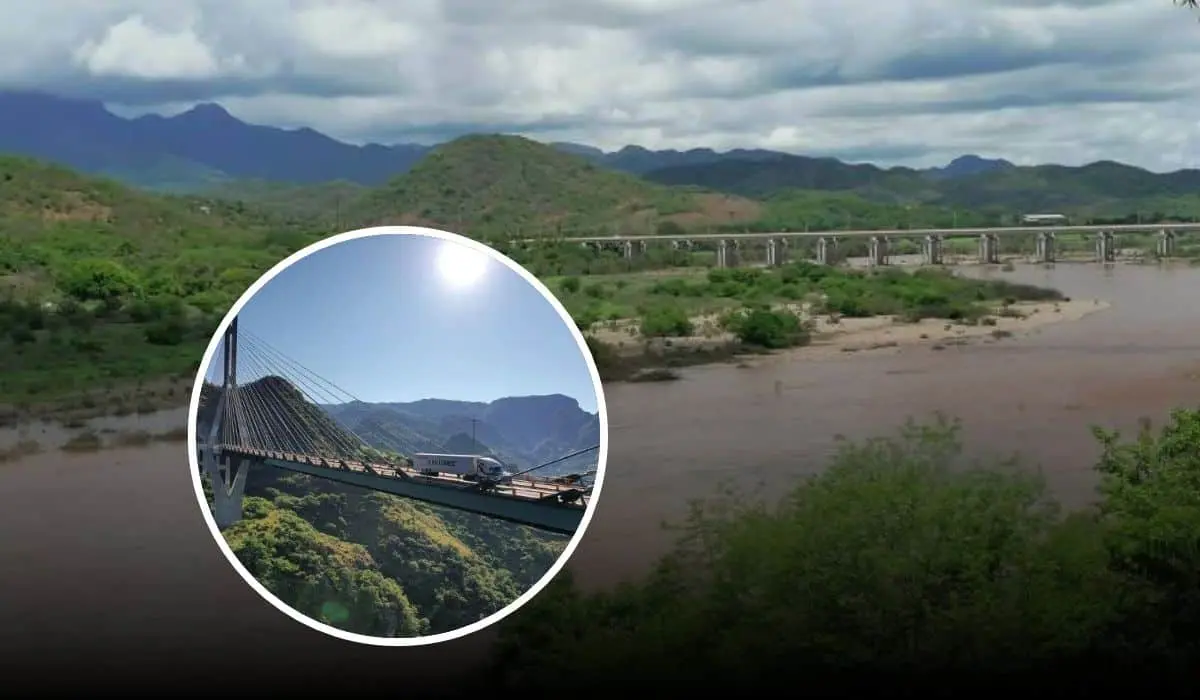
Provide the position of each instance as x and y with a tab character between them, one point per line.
891	81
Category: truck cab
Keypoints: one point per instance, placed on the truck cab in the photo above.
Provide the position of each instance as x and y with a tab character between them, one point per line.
493	470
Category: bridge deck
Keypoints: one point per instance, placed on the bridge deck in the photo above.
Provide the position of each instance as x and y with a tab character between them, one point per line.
949	232
544	503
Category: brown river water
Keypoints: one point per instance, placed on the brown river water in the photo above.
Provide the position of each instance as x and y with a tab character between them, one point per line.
105	554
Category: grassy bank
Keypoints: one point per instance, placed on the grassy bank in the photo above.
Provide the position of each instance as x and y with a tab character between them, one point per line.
689	316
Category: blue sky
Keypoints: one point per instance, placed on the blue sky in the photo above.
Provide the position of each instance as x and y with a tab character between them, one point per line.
384	320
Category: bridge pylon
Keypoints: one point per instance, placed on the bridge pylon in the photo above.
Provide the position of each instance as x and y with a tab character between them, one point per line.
226	472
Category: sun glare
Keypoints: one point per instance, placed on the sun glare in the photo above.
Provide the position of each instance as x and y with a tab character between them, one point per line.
460	266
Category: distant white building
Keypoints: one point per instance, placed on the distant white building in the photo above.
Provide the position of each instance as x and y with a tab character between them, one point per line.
1044	219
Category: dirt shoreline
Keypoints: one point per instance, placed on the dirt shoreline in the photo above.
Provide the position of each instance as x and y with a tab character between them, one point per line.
137	397
833	337
710	345
884	332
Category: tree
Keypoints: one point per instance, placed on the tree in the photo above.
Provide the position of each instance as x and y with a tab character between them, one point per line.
100	280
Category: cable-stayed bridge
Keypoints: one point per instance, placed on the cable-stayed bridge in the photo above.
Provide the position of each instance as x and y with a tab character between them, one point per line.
276	421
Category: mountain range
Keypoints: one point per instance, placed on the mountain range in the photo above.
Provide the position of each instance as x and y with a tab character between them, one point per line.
207	146
494	186
522	431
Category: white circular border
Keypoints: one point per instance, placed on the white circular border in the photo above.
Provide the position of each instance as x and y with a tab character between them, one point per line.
601	463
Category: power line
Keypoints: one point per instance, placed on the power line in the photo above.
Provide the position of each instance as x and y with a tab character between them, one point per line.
560	459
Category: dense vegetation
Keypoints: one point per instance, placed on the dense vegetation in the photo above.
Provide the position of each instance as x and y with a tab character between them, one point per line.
110	291
317	206
912	295
903	559
381	565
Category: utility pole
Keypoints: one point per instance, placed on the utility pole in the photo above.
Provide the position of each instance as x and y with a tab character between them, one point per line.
474	443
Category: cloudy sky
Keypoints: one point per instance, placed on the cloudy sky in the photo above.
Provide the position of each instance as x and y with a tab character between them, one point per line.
891	81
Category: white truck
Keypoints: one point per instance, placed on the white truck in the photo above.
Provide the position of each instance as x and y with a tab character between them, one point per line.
469	467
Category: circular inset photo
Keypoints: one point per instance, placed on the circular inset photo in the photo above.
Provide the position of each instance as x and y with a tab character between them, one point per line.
397	436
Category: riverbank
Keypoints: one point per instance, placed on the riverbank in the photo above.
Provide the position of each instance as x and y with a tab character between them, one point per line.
880	333
624	357
102	432
133	398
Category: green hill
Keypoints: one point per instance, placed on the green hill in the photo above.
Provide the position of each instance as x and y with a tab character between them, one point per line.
500	186
115	290
1099	190
490	186
321	429
317	205
382	565
330	580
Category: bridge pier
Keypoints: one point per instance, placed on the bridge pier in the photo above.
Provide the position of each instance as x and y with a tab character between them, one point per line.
1106	250
877	251
777	252
728	253
633	249
1045	247
824	246
226	473
931	250
228	486
989	249
1165	246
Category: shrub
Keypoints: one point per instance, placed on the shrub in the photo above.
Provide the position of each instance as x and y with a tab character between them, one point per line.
168	331
666	321
768	328
597	291
98	280
900	557
585	319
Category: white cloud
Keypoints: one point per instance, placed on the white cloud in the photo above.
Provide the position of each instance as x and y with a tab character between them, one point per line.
361	30
132	48
913	81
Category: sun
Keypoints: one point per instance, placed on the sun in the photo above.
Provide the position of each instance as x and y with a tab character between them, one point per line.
461	266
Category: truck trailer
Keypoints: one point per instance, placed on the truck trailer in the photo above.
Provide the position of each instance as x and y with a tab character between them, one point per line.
468	467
